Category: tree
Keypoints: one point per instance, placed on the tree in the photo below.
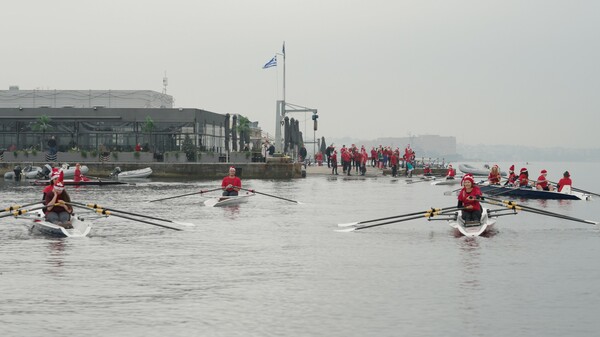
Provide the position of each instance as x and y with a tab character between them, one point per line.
42	124
148	127
189	148
243	129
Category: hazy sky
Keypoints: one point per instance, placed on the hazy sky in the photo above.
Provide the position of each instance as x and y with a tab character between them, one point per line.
488	72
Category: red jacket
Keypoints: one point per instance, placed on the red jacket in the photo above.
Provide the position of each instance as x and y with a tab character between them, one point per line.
234	181
464	197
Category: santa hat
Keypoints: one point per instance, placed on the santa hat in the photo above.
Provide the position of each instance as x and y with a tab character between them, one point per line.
231	168
59	185
512	168
523	170
449	165
469	178
543	171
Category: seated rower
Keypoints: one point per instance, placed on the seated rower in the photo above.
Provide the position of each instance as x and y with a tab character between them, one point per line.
565	181
542	183
57	212
427	171
231	184
451	172
512	177
523	181
468	199
494	177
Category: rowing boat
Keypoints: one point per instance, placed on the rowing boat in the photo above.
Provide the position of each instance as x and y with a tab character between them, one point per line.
72	182
531	193
80	228
447	181
472	229
485	171
141	173
228	201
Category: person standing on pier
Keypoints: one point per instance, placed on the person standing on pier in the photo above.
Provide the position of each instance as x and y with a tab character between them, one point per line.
334	162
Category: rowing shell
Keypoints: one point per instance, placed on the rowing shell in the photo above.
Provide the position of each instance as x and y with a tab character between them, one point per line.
228	201
446	182
80	228
473	230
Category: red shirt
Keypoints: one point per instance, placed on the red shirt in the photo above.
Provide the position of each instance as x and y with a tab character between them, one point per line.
334	158
451	172
523	180
563	182
234	181
464	197
541	180
494	178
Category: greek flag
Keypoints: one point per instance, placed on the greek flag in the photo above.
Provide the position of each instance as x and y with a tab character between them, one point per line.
272	63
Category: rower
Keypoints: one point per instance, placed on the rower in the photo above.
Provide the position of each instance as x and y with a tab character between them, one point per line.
57	212
542	182
451	172
231	184
468	199
523	180
494	177
512	177
564	182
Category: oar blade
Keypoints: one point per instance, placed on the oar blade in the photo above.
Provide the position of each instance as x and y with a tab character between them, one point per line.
347	224
346	230
188	224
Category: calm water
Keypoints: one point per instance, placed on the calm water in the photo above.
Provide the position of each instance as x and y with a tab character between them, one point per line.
274	268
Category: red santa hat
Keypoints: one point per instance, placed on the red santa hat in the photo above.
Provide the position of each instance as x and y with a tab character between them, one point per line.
59	185
524	169
543	171
468	178
512	168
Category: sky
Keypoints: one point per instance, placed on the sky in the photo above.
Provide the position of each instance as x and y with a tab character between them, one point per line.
514	72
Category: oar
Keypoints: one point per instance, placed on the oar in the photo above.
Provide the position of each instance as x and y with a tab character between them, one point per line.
22	211
185	195
513	205
96	206
426	214
431	210
270	195
15	207
105	212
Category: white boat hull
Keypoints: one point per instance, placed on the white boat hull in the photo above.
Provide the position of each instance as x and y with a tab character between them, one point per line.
454	181
134	174
485	224
228	201
81	228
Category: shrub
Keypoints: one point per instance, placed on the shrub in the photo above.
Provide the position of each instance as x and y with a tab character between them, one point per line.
115	155
84	154
136	155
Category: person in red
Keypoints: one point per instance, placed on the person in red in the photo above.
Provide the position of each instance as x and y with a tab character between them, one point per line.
542	183
334	163
565	181
468	200
57	212
394	162
451	173
523	180
50	187
373	157
77	174
427	171
494	177
512	177
231	184
138	147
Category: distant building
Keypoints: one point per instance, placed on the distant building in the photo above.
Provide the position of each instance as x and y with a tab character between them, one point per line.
112	119
15	98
